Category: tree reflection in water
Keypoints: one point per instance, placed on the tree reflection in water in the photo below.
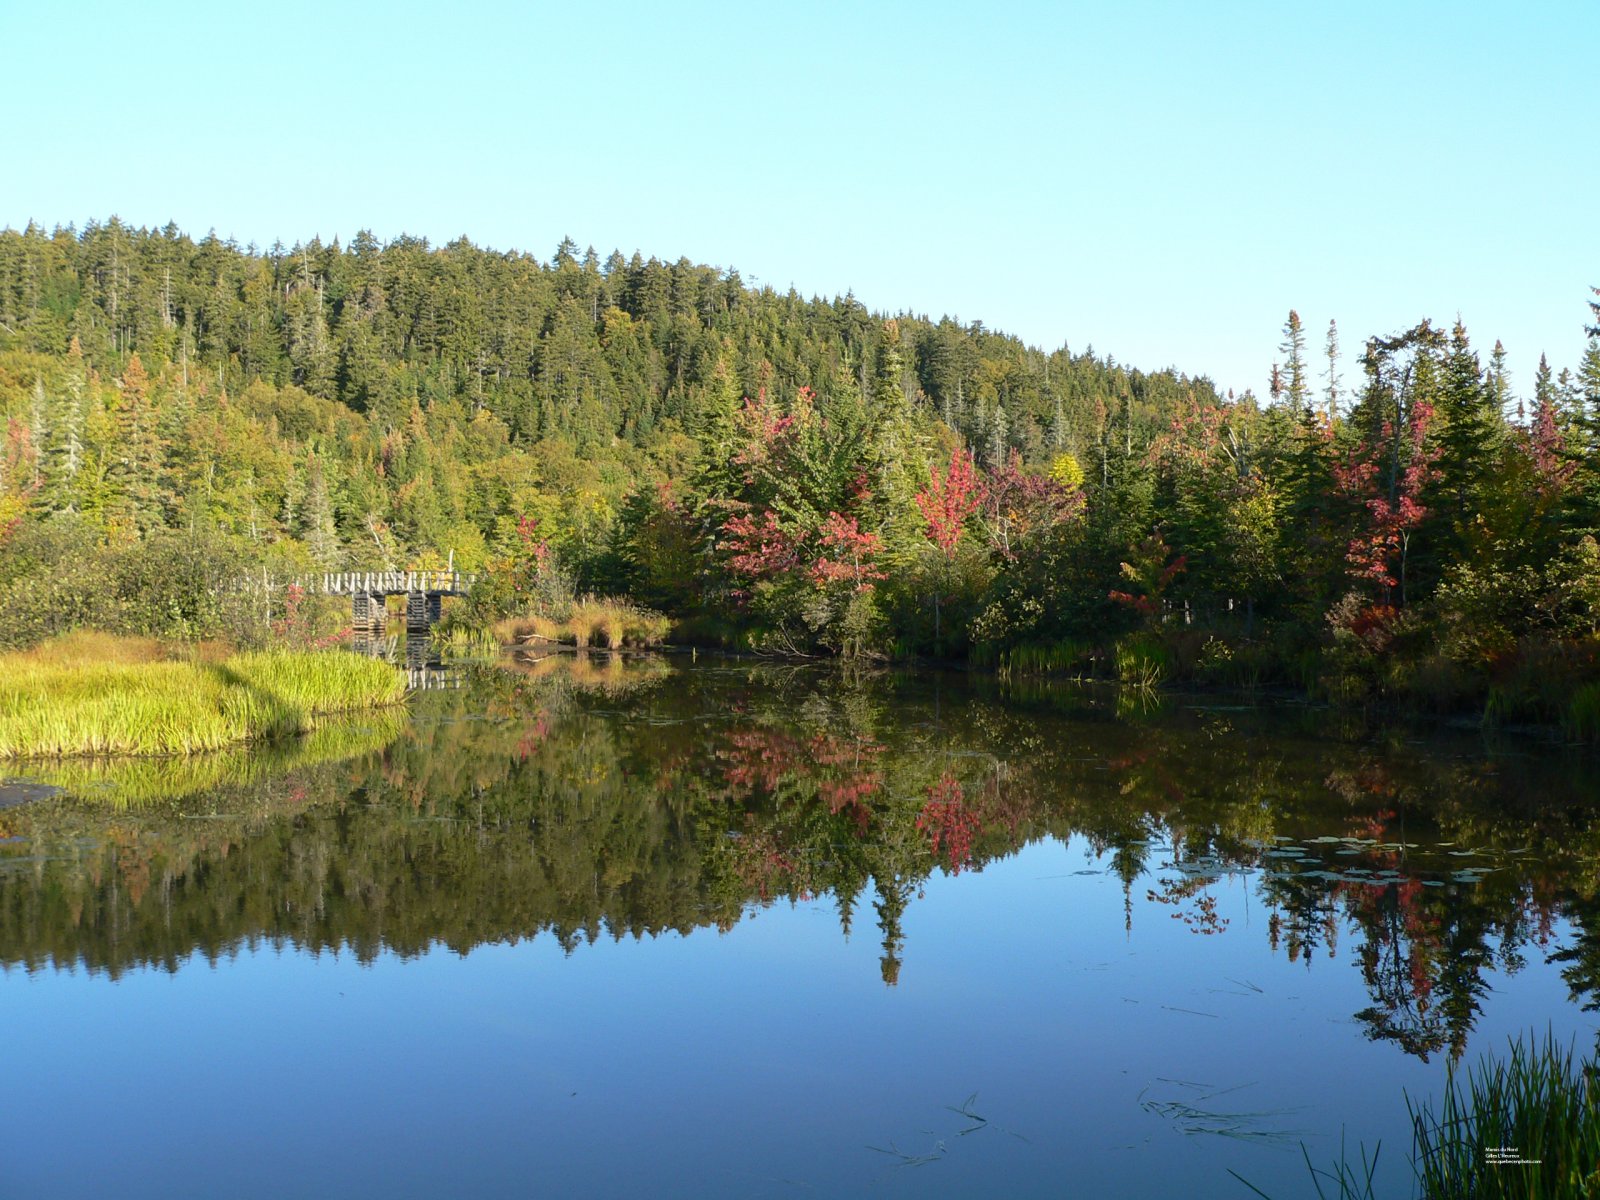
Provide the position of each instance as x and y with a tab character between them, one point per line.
588	795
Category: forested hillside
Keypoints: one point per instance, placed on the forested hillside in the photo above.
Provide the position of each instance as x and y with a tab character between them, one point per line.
792	473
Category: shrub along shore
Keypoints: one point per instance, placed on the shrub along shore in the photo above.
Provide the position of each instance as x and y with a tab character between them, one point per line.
54	704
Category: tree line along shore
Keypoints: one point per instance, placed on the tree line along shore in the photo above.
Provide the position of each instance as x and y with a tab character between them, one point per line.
1392	520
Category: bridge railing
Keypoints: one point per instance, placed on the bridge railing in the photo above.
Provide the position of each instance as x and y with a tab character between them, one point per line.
376	583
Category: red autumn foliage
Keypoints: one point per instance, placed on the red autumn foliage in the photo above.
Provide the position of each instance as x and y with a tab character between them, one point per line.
763	431
1015	502
537	548
1548	450
949	500
1373	552
848	554
297	626
950	825
1154	572
760	547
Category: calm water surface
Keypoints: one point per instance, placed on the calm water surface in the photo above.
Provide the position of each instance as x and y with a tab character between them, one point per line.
593	928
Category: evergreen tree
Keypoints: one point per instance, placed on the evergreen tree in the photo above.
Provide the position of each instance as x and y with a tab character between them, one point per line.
1468	438
316	516
1293	348
1587	423
1544	392
1498	382
1331	351
137	468
64	449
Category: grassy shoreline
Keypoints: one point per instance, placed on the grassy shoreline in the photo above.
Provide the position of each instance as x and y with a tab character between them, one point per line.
63	702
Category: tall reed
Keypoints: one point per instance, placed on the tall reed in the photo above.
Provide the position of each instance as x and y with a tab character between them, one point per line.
1142	661
1527	1125
466	641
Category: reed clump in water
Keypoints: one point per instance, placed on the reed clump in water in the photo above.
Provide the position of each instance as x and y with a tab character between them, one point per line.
600	623
55	702
1582	718
466	641
1526	1125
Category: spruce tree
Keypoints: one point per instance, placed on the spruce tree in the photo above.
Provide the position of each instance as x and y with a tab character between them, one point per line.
1331	350
1469	433
1293	349
1499	380
1587	429
316	516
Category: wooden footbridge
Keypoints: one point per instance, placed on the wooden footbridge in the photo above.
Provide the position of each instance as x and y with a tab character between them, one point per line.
369	593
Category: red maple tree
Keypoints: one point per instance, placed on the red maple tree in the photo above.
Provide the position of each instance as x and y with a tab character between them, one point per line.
949	500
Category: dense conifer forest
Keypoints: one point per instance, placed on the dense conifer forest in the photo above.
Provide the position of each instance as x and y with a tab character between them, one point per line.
1395	517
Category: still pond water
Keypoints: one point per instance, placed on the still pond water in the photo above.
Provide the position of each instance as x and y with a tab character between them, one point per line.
586	927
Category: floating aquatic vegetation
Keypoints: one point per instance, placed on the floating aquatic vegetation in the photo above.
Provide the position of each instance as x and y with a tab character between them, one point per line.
977	1123
1190	1119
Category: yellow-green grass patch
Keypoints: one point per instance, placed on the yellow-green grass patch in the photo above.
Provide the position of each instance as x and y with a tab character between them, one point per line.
50	708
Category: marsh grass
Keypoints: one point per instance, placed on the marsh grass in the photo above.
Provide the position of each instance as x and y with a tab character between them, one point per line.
1523	1126
58	703
1072	658
1581	721
589	622
93	648
1142	662
1540	1104
1343	1182
466	641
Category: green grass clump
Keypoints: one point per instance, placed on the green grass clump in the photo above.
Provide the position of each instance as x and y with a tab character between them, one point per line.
466	641
1539	1104
1142	661
180	707
1058	658
1582	718
1523	1127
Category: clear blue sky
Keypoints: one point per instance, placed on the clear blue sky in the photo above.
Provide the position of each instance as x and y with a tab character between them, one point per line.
1162	180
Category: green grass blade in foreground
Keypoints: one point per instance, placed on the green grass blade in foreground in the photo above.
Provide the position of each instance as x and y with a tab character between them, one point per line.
1348	1184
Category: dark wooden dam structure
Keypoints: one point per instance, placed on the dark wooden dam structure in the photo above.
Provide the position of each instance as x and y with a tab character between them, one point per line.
369	593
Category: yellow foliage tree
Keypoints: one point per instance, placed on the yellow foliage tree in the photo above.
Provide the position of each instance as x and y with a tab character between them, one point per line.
1066	471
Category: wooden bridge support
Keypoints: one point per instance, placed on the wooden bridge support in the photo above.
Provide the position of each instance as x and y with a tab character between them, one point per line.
368	614
422	611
